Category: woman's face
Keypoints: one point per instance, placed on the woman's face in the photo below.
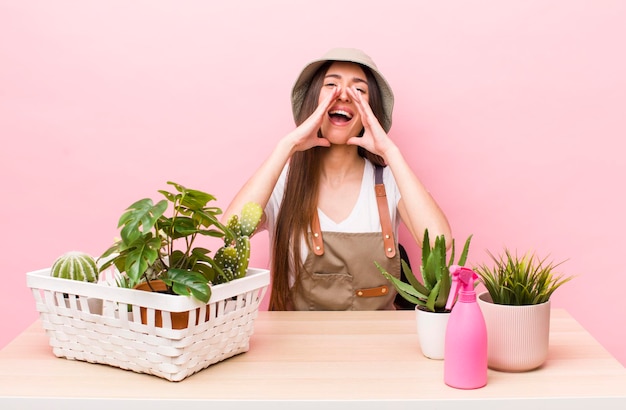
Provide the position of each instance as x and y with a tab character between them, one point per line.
342	121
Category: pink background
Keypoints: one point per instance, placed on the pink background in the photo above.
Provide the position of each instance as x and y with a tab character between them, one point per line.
511	112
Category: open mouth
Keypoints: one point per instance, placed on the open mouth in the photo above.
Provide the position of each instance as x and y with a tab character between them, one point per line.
340	116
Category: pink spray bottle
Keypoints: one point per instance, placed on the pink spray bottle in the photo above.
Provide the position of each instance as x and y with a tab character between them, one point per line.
465	355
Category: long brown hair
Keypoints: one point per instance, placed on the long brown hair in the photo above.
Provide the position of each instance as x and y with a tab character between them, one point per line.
299	202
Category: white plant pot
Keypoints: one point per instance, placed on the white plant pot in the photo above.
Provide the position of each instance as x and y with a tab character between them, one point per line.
431	332
518	336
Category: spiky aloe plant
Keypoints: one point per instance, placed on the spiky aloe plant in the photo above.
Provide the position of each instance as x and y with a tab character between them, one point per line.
234	256
156	246
515	280
433	290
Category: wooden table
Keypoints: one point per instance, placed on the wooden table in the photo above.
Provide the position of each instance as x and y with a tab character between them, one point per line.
365	360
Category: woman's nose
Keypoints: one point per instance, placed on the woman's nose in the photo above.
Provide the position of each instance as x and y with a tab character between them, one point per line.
343	94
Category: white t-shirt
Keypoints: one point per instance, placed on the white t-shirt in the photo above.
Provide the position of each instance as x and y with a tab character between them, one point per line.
364	216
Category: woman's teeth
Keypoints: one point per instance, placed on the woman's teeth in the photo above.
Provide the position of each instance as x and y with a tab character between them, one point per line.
341	113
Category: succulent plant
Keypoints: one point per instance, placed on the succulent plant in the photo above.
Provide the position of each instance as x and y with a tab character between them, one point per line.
520	280
233	258
75	265
432	292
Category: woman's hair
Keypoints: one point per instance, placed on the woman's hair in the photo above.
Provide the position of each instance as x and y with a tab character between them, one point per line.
299	202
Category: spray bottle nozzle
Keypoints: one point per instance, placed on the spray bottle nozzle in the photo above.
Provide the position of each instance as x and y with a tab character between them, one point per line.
463	277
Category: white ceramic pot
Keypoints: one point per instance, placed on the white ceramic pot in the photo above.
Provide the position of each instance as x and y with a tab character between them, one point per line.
431	332
518	336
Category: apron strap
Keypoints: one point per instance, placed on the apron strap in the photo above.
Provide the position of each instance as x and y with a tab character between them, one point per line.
316	235
383	213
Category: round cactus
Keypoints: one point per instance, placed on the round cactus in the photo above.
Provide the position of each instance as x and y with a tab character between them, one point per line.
75	265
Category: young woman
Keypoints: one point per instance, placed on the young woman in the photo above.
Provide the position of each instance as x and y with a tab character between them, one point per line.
335	189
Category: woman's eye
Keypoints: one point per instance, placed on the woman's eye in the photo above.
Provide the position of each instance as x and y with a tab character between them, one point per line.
330	85
362	91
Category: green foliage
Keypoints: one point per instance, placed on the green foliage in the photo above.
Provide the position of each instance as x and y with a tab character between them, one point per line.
433	290
526	280
156	246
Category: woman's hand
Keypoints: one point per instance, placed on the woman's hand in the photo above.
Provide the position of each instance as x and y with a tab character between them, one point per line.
374	139
259	187
306	135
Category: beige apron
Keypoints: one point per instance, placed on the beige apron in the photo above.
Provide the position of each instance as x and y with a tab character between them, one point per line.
340	273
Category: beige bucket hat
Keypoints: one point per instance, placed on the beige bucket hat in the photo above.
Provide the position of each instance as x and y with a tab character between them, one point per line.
343	54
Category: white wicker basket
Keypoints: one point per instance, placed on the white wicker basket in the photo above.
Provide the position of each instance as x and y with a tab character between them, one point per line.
101	323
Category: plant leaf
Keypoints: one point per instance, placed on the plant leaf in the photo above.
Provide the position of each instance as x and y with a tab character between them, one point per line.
184	282
430	302
142	254
413	280
465	251
406	290
140	218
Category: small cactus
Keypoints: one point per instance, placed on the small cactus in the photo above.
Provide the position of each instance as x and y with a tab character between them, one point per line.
76	266
242	244
233	258
226	258
250	217
235	226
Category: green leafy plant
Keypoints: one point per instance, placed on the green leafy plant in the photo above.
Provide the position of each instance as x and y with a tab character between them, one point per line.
431	293
525	280
156	246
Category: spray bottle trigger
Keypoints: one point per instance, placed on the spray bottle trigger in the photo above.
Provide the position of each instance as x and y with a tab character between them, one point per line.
454	286
462	279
